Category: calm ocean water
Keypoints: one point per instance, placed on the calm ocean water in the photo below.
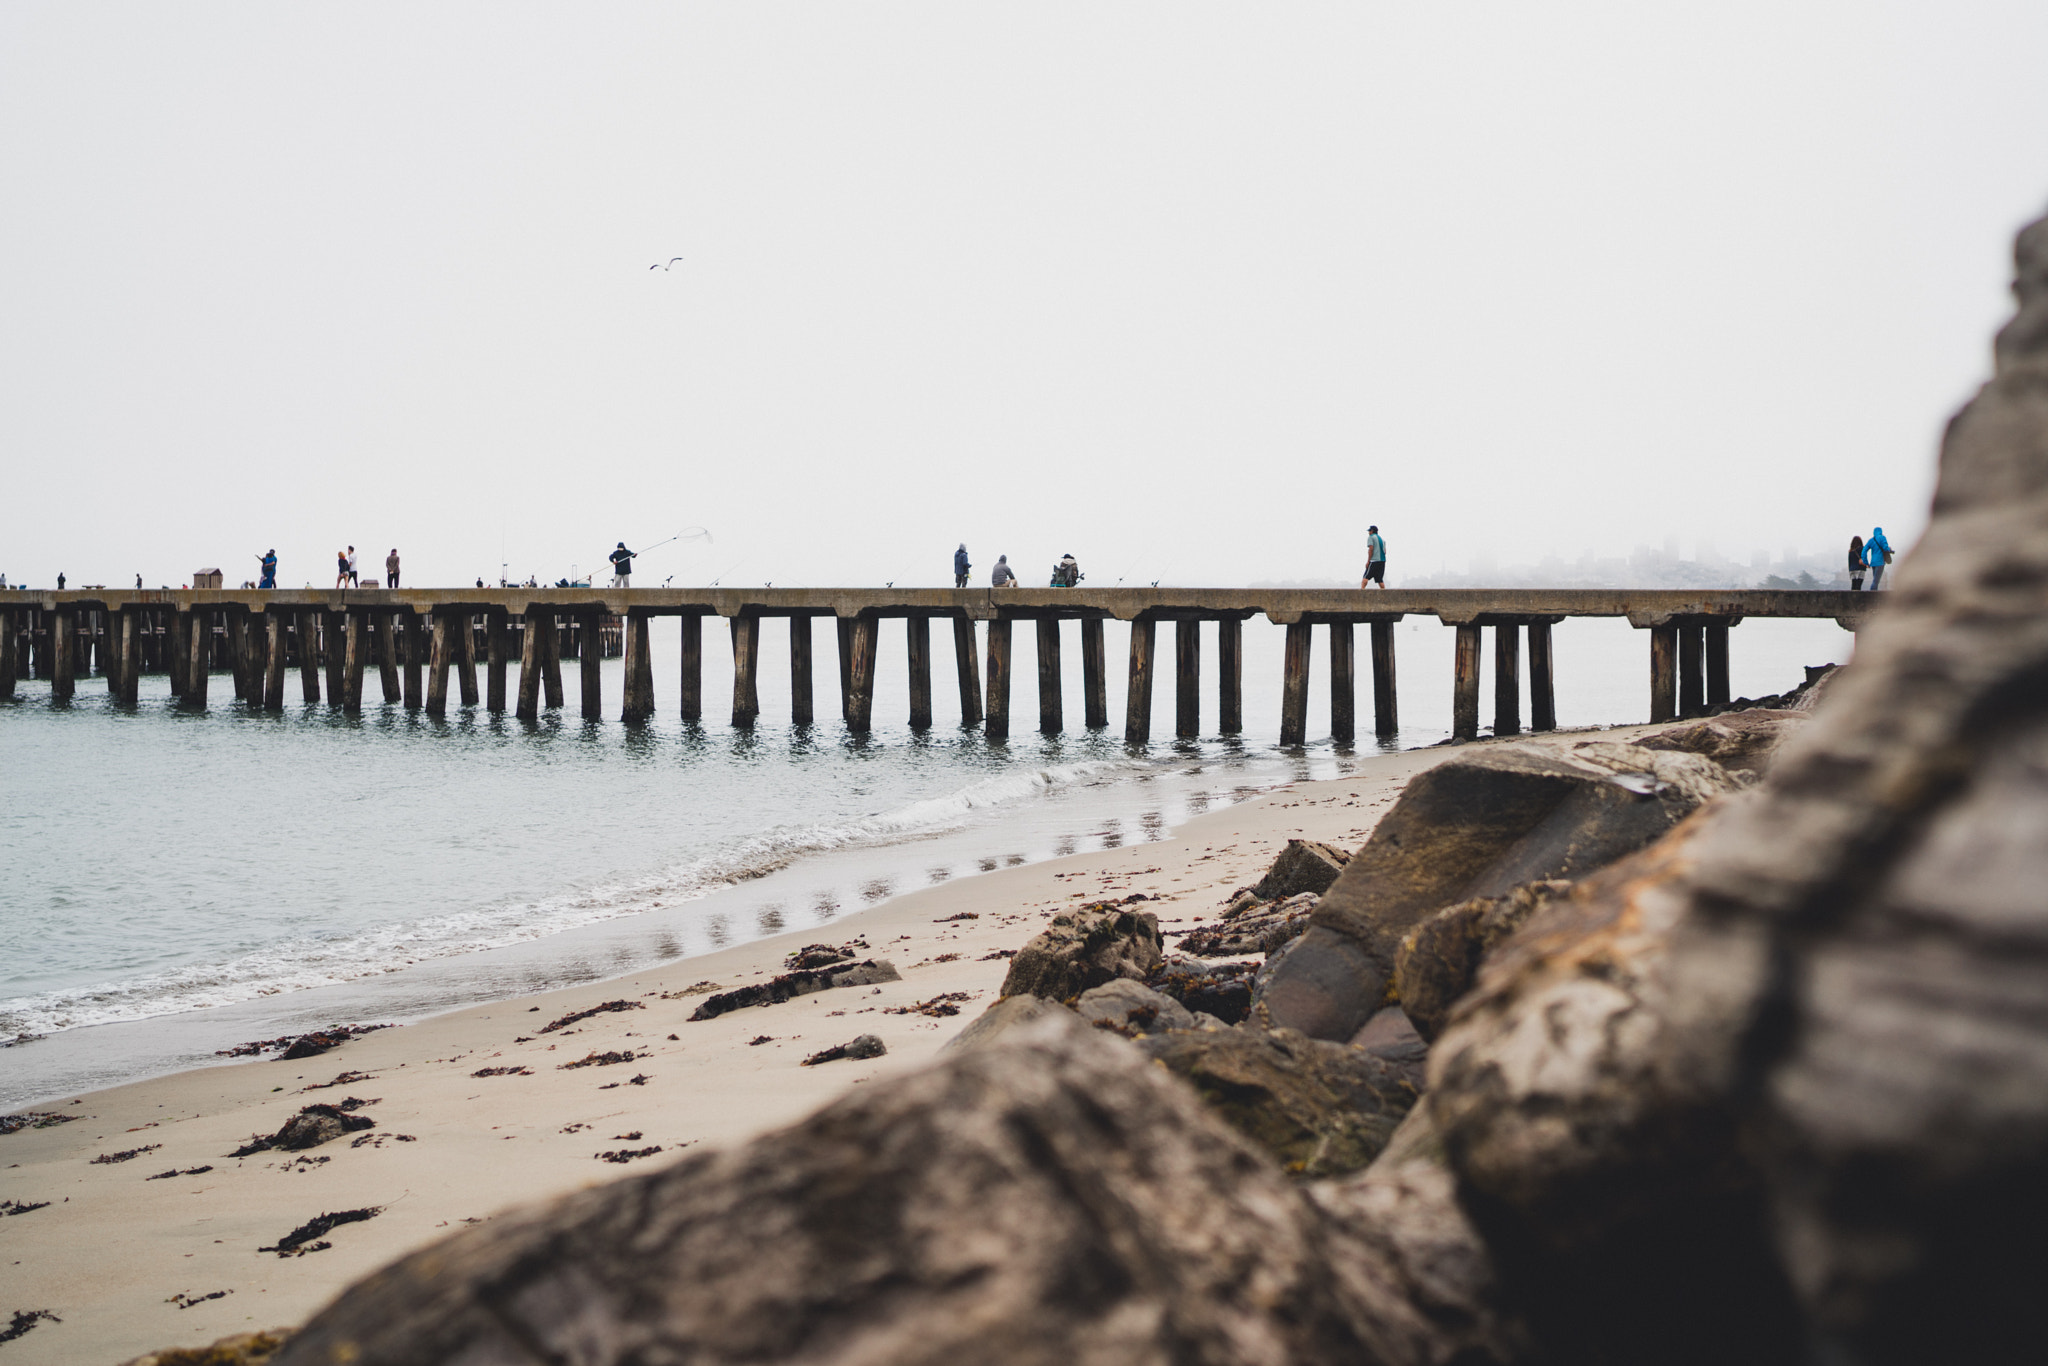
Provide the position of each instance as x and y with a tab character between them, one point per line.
172	883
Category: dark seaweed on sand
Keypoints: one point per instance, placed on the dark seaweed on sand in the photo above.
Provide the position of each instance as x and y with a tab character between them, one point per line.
317	1225
576	1015
189	1171
25	1319
626	1154
105	1158
598	1060
8	1207
32	1119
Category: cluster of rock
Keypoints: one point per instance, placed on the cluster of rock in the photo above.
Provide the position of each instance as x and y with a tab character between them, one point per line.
1729	1045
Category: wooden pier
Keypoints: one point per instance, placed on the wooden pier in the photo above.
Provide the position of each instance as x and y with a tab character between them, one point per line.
417	636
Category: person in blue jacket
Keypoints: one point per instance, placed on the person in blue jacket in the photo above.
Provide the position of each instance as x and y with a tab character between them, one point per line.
1877	553
269	579
960	566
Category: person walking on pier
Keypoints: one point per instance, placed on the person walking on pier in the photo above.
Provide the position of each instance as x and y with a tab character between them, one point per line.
1375	559
353	581
960	566
391	569
1856	565
622	567
341	569
1002	577
1877	553
268	578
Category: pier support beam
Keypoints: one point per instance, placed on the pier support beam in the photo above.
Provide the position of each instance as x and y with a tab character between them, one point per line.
1717	665
969	669
1187	679
917	634
274	666
590	655
309	658
746	653
845	627
1663	674
1294	686
356	656
9	648
1052	711
238	654
63	653
690	684
176	653
387	657
465	657
997	727
125	679
1386	709
551	659
1507	679
1094	674
1465	686
331	654
802	690
411	656
532	627
1343	682
198	638
1542	679
862	636
437	669
497	649
1230	676
1138	689
639	655
1692	689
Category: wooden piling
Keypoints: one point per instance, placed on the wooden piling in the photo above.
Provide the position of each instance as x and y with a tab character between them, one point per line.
997	724
1052	711
63	653
1230	676
917	633
309	658
178	653
637	704
497	651
238	653
863	637
1094	674
1692	689
274	664
411	656
969	669
845	625
1138	689
801	691
1187	678
531	628
1507	679
590	656
355	649
1717	664
465	657
1294	686
437	668
746	650
1386	717
9	649
333	655
1343	682
386	626
125	683
1542	681
1465	686
197	666
1663	674
551	659
690	686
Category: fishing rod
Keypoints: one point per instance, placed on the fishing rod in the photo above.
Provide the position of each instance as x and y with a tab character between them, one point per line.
695	533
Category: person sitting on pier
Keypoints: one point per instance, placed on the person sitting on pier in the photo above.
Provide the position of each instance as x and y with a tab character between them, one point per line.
622	567
1067	573
1002	577
960	566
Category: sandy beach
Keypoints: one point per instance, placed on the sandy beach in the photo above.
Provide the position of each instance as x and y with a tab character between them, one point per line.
479	1110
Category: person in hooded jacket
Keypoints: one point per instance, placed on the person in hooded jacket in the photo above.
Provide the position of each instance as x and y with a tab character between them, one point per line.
622	567
1067	573
1877	553
268	579
1856	565
1002	577
960	566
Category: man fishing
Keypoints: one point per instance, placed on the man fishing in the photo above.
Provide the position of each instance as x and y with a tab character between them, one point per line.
622	567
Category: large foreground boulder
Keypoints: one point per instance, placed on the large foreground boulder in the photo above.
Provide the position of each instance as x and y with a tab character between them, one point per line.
1049	1199
1478	825
1084	948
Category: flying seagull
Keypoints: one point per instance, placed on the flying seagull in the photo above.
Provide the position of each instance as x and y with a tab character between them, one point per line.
671	263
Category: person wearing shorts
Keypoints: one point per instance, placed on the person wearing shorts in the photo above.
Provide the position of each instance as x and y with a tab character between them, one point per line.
1375	559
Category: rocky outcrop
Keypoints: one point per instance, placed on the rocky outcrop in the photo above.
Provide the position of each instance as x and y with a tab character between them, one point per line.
1223	990
1439	959
1084	948
1478	825
1131	1009
1007	1014
242	1349
1319	1108
1050	1199
1391	1037
1304	866
803	982
1256	927
1736	740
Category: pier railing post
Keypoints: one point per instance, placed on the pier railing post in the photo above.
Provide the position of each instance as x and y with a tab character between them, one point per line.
1663	674
746	652
637	648
1052	711
1465	686
357	652
532	626
274	666
197	664
1717	664
551	659
917	633
1692	690
969	669
802	690
1294	686
497	649
63	652
997	727
437	671
1094	674
1138	690
590	658
1187	678
1230	676
1507	679
690	683
864	636
1386	715
1542	679
1343	682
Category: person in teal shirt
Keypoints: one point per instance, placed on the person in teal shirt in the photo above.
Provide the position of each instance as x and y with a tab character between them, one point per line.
1375	559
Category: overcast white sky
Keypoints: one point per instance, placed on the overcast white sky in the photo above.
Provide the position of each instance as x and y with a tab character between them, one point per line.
1194	291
